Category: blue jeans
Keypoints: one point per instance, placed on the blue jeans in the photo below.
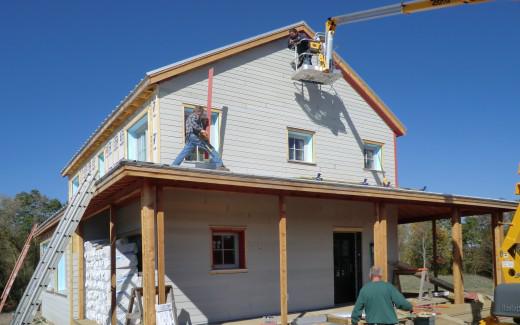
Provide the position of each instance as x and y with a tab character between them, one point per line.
192	142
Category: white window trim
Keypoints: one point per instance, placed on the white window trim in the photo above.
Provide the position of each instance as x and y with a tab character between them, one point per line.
132	141
218	145
304	134
377	162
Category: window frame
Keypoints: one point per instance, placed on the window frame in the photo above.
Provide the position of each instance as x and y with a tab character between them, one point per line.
54	282
376	162
302	134
74	185
102	168
130	139
218	147
241	264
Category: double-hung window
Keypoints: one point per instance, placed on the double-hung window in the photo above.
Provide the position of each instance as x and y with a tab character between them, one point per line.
138	140
301	146
214	137
75	185
373	156
58	282
101	164
228	251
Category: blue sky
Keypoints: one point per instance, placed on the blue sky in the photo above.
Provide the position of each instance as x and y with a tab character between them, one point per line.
452	76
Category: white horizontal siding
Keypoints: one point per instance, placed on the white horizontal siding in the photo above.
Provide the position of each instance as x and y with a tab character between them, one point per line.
262	101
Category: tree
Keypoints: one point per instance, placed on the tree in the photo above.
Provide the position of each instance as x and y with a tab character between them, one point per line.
17	215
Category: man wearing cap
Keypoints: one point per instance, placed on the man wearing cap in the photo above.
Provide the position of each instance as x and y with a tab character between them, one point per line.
196	136
378	298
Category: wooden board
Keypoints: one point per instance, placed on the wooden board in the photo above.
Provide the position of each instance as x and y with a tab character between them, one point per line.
282	232
148	249
160	245
112	232
456	236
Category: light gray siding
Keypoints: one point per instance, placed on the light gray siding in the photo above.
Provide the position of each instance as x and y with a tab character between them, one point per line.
203	297
261	102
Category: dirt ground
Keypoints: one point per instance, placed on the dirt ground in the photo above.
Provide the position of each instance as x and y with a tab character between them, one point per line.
5	318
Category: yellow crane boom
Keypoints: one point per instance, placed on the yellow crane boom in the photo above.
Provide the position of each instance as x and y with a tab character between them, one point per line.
391	10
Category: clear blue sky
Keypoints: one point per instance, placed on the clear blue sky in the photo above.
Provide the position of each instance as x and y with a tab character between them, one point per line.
452	76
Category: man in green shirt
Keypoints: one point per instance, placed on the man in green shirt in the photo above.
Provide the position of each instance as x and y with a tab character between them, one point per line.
378	298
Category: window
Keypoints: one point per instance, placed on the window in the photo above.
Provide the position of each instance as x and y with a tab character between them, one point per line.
58	281
300	146
75	185
138	139
228	251
101	164
199	154
373	156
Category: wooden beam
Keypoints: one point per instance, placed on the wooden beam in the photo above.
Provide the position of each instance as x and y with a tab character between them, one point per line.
456	239
81	272
112	232
381	238
497	231
148	250
160	245
434	251
72	251
282	237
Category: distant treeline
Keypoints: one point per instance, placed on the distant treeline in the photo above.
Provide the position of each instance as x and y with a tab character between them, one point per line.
415	245
17	215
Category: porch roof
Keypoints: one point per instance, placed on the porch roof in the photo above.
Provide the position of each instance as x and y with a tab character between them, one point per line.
123	183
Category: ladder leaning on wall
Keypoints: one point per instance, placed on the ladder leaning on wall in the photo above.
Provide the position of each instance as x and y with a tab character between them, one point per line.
68	224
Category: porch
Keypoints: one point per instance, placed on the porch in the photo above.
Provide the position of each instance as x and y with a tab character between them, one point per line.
150	188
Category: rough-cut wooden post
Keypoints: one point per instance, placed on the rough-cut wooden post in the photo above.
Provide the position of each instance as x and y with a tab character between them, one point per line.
498	238
148	249
434	250
112	234
381	239
160	245
81	271
456	238
282	232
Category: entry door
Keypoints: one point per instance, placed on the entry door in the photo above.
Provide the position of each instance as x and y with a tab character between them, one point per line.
347	266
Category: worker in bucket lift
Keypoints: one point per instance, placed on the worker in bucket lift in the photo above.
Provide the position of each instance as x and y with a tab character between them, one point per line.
300	41
196	136
378	298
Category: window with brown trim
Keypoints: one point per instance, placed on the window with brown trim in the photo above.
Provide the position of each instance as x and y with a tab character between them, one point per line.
228	249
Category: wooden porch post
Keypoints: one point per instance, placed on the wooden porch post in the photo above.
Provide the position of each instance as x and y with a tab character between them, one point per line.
160	245
497	231
434	250
381	239
148	249
112	234
282	235
81	271
456	238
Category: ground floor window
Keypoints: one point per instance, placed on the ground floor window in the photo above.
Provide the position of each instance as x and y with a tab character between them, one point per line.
228	251
58	281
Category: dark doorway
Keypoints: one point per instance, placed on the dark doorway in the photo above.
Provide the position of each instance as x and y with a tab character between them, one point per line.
347	266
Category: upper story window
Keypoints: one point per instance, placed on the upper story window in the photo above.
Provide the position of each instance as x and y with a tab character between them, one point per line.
373	156
101	164
301	145
74	185
228	249
199	154
138	140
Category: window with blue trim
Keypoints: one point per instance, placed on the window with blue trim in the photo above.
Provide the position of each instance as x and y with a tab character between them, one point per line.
137	140
301	146
75	185
101	164
373	156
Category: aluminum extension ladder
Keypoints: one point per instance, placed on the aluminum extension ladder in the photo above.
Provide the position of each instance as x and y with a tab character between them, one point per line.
68	224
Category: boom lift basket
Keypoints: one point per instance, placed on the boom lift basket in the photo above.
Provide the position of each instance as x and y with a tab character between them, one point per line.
307	64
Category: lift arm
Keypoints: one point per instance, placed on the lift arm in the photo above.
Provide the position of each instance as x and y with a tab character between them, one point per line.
391	10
